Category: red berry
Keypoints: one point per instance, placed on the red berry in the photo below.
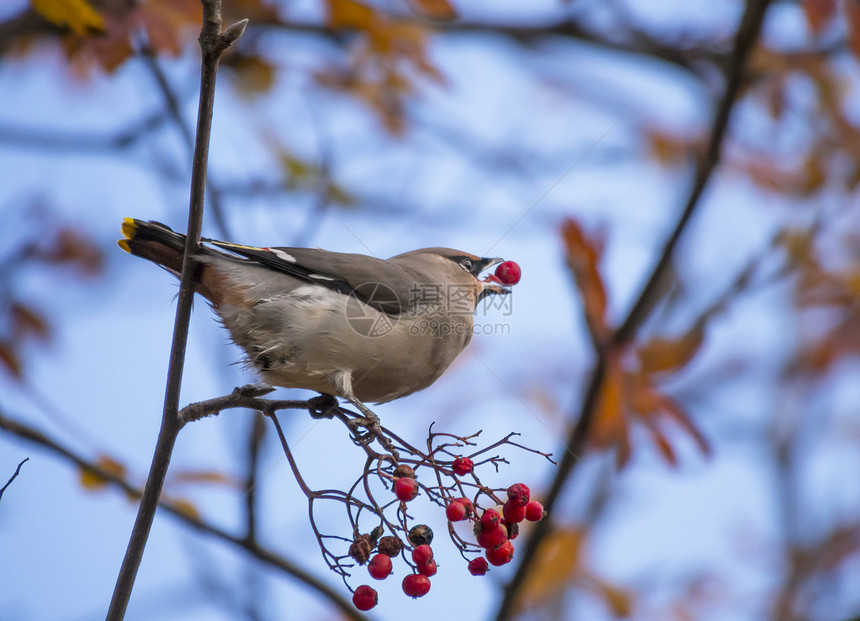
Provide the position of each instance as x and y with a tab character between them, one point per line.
513	530
422	555
379	566
513	513
405	489
416	585
490	518
470	508
534	511
428	569
492	537
518	494
501	555
364	597
462	466
478	566
509	273
455	511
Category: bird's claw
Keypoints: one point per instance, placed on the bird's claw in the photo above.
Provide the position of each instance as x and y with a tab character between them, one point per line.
322	406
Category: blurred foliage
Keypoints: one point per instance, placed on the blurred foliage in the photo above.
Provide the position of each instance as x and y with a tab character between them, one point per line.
42	245
803	152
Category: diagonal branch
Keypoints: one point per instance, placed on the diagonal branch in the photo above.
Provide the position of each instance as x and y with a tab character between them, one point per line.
212	45
253	548
745	39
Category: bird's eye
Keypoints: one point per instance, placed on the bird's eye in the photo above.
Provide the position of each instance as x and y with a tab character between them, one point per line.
466	264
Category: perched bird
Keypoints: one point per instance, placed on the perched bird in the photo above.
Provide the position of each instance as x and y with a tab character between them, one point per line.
348	325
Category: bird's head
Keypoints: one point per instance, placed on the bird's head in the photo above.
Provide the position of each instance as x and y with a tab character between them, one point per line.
453	269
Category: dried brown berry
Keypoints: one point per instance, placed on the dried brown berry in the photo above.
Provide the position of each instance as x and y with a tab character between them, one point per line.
404	470
390	546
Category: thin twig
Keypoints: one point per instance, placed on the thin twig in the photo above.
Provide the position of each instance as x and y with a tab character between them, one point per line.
14	476
212	45
745	39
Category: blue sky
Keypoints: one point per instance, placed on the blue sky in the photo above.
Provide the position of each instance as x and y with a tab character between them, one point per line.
105	371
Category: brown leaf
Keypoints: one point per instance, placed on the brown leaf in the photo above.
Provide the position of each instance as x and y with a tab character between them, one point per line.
436	9
669	407
650	405
91	479
611	425
664	447
819	13
70	246
666	148
185	507
78	15
350	14
664	355
26	321
852	12
583	257
9	358
618	600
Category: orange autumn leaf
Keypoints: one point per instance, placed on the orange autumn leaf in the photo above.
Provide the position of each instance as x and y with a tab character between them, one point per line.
651	405
350	14
610	426
583	257
92	479
185	507
663	355
78	15
628	397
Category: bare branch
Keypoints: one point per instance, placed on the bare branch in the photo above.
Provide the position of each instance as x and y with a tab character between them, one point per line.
745	39
212	44
197	523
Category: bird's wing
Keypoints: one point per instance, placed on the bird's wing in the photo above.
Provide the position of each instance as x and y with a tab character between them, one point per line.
377	282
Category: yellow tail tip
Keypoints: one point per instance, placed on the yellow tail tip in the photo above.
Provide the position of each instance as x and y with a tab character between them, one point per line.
129	229
123	243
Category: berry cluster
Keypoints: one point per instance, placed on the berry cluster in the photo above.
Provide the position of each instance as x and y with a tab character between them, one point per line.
384	494
494	533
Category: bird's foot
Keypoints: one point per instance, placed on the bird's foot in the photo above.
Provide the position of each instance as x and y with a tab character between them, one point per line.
322	406
367	421
373	430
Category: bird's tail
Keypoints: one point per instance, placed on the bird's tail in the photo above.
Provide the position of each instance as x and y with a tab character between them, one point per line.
155	242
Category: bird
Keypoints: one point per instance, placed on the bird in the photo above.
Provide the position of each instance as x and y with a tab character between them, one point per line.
353	326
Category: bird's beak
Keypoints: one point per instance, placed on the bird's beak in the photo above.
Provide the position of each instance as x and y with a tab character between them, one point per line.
491	284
